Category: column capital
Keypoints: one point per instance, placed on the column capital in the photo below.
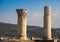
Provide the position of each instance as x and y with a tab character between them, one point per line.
21	12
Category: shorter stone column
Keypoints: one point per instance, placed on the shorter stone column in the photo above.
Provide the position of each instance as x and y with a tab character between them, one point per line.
22	28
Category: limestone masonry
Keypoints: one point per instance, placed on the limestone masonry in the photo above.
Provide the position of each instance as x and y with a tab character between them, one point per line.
47	22
22	28
22	25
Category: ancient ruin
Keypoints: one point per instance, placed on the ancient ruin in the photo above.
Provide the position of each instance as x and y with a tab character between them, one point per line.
47	22
22	28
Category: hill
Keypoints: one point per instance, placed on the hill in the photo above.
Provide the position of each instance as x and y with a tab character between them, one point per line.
32	31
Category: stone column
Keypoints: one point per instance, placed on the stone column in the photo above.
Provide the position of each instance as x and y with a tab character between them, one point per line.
22	28
47	22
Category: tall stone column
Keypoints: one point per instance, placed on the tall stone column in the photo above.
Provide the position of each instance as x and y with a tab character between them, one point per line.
22	28
47	22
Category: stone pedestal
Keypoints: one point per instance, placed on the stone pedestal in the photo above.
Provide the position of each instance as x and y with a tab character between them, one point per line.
22	28
47	22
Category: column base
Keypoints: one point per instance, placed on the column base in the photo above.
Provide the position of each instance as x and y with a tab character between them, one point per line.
23	37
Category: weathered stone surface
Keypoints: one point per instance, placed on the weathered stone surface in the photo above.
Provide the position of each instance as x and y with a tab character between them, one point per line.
22	28
34	41
47	22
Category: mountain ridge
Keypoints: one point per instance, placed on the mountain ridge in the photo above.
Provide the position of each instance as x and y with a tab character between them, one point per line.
32	31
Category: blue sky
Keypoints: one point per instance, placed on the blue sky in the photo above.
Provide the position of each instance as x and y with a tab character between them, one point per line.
35	11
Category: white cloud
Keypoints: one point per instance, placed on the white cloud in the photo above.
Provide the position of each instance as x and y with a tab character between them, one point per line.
56	13
56	19
35	19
